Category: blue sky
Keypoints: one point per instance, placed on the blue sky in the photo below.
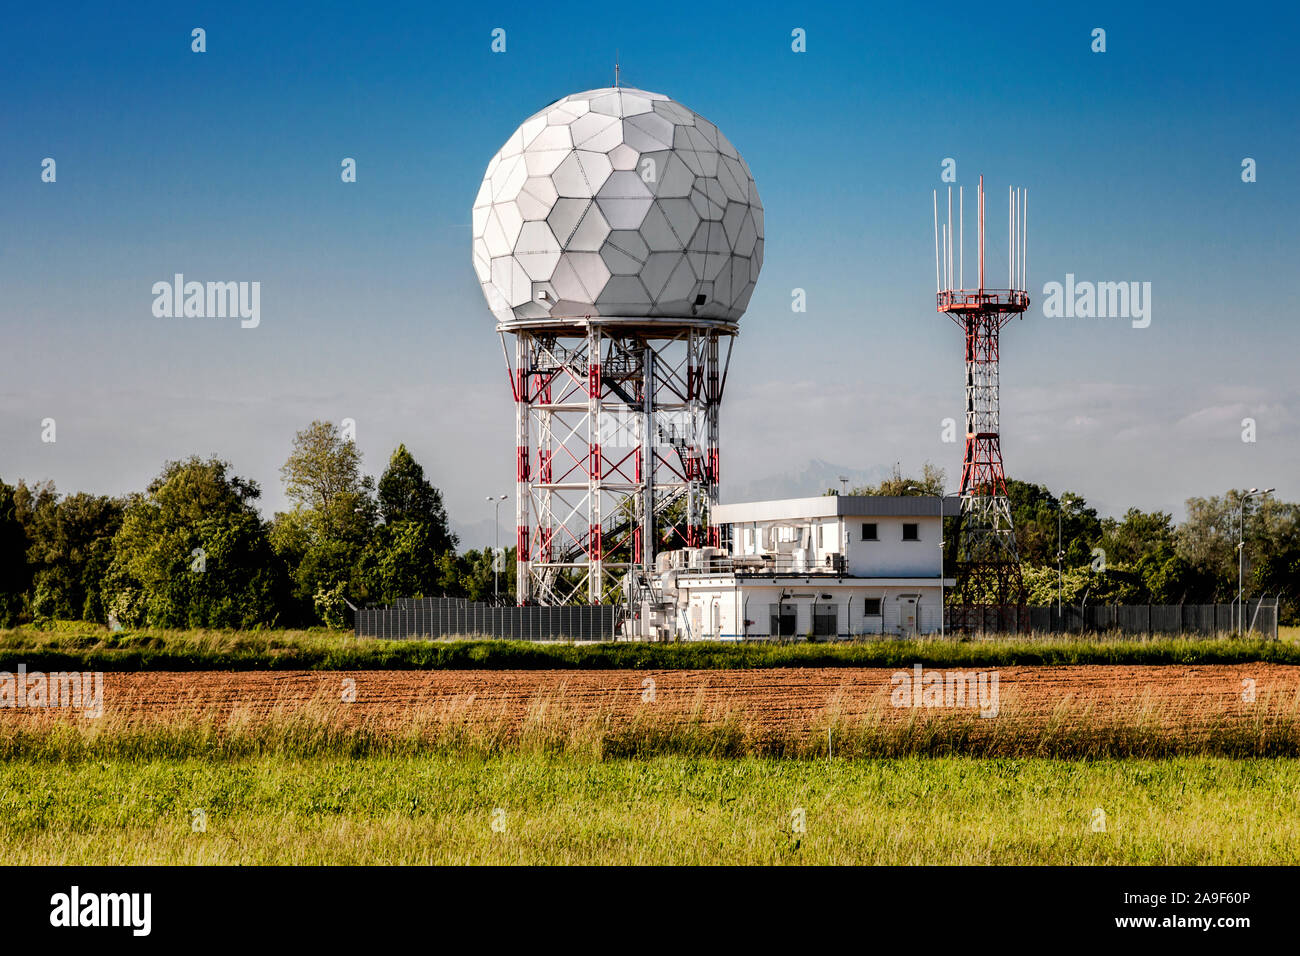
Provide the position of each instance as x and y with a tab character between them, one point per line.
225	165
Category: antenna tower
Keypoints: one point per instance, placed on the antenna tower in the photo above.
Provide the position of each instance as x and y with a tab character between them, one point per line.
989	584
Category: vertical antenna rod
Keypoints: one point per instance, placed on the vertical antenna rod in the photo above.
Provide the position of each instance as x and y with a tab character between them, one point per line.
1024	246
937	285
949	237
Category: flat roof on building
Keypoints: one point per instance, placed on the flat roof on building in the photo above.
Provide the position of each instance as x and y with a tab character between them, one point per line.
831	506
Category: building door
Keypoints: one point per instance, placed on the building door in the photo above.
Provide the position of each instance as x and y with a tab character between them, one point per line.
825	621
907	614
783	620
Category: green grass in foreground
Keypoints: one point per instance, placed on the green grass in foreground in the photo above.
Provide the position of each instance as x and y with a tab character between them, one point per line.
664	810
75	646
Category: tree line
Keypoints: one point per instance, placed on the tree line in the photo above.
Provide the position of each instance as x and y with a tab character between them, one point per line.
1144	556
193	550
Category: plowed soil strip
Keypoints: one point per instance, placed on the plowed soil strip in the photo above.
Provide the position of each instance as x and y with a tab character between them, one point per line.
770	699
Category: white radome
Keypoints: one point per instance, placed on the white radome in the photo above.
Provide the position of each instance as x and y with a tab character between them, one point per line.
617	203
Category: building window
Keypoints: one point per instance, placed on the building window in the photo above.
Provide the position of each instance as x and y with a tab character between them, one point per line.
869	532
871	607
911	531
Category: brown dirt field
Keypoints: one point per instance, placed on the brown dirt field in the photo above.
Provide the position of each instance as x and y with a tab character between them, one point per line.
767	699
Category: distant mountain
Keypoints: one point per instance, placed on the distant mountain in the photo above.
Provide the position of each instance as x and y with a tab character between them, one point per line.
812	479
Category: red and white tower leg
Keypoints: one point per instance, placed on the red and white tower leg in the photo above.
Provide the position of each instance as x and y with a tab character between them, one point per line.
616	449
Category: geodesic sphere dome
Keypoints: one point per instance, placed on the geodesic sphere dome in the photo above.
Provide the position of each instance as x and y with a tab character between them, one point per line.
617	203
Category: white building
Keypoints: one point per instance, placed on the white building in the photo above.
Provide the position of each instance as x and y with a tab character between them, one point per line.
831	566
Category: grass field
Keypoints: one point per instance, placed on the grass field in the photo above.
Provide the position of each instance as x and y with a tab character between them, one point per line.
549	808
77	646
948	787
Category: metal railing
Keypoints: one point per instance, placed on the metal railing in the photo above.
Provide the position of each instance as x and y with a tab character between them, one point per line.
977	299
769	565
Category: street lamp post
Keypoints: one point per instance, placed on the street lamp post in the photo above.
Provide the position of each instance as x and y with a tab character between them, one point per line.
1060	555
496	550
1241	551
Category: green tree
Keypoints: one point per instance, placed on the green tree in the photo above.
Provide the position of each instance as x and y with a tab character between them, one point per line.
1207	540
1143	546
193	551
1278	573
1115	585
15	575
325	535
1172	580
1273	555
931	483
70	550
405	495
476	574
1034	515
1137	536
323	471
402	560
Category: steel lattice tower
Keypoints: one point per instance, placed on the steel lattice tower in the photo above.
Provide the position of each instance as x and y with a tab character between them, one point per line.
616	449
989	578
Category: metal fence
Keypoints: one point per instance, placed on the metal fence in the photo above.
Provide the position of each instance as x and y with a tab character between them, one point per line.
1259	616
449	617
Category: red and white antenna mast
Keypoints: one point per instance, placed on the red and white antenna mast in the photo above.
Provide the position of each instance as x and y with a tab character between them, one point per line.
990	585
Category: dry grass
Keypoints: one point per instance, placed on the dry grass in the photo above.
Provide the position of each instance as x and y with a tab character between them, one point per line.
323	726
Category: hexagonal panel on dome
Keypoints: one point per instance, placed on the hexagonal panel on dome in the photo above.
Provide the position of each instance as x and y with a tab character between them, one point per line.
617	203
